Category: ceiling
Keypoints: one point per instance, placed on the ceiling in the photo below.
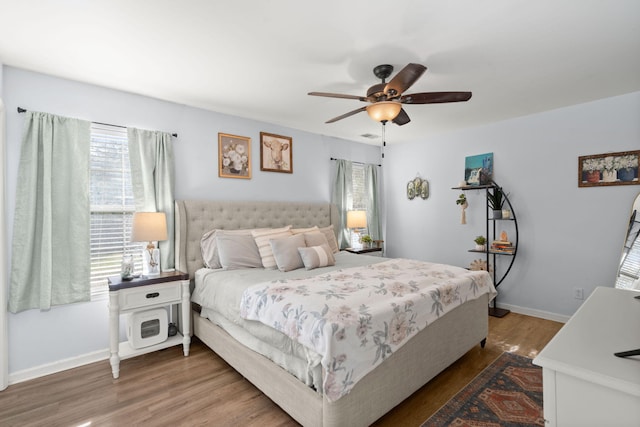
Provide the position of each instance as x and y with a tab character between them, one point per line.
259	59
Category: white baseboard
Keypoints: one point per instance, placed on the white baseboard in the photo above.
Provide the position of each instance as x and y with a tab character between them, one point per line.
536	313
58	366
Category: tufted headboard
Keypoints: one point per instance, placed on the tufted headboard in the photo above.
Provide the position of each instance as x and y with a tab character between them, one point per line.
193	218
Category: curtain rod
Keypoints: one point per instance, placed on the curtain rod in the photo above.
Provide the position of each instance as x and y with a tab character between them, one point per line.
357	163
22	110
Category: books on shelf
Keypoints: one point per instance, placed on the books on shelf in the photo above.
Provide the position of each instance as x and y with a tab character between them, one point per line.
502	246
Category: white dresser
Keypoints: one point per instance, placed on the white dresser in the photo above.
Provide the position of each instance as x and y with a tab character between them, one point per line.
584	384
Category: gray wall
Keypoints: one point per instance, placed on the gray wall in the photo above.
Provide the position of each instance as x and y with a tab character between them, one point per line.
569	236
37	338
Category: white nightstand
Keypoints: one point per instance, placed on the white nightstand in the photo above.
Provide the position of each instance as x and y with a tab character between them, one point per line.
144	293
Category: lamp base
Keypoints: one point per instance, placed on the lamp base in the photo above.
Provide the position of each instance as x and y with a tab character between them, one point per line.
151	262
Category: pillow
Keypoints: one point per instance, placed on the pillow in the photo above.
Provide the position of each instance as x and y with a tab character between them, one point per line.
317	256
237	251
285	252
304	230
262	238
209	248
331	238
315	238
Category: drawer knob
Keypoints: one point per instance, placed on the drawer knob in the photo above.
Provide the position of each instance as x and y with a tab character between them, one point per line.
153	295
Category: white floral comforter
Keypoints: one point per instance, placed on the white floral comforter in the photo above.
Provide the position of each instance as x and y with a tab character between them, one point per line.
357	317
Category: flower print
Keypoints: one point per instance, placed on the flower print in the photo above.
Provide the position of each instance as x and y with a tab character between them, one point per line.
342	315
398	289
398	328
449	294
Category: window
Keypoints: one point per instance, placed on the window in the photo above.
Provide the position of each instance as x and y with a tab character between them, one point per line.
112	205
358	199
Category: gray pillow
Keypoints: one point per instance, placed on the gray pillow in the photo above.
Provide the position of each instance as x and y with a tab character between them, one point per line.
330	234
238	251
285	252
317	256
315	238
209	248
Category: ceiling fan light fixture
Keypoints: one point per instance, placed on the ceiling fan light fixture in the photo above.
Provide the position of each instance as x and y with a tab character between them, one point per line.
384	110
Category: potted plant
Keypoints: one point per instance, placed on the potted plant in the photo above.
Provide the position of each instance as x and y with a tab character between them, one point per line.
366	241
480	243
462	201
495	198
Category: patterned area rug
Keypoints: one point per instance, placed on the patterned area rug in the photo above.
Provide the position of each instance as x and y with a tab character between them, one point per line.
507	393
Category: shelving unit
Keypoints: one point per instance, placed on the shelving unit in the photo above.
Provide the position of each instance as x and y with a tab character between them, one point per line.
492	255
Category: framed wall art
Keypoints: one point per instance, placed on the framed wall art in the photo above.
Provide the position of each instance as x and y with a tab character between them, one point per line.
234	156
478	170
608	169
276	153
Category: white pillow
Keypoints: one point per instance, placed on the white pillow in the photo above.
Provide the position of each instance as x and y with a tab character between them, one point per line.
317	256
331	238
238	251
285	252
264	247
304	230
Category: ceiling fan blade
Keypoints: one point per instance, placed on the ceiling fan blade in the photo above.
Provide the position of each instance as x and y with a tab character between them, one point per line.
338	95
404	79
435	97
402	118
345	115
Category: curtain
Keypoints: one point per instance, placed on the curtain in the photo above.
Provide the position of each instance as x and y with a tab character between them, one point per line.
4	328
152	179
373	210
50	262
342	199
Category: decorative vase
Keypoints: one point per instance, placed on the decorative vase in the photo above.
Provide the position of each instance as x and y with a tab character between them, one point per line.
481	247
626	174
593	176
506	213
126	270
609	175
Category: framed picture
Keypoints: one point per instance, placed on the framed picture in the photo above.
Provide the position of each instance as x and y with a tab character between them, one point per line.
234	156
276	153
478	170
608	169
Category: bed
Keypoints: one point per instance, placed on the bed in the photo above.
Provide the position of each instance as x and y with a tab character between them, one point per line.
407	369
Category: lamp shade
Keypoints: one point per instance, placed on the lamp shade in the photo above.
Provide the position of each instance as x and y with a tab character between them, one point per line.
149	227
384	110
356	219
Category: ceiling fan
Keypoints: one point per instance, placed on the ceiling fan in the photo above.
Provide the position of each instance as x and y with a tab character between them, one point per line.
386	99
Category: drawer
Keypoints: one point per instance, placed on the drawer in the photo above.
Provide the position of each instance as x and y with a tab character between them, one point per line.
145	296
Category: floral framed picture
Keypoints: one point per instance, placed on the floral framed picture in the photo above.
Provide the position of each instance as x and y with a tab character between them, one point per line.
608	169
276	153
234	156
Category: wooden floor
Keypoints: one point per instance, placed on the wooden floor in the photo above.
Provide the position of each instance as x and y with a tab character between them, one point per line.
165	388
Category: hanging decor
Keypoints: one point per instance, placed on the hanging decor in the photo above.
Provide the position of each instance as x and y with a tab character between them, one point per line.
462	202
418	187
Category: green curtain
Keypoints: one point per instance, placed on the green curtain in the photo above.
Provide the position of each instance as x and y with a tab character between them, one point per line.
50	261
373	210
152	178
342	199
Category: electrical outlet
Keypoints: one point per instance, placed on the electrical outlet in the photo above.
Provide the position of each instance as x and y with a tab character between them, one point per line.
578	293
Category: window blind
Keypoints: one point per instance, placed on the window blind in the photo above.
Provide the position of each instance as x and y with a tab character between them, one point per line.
112	205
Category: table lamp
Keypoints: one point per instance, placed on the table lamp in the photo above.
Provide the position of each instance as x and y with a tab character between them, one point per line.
149	227
356	220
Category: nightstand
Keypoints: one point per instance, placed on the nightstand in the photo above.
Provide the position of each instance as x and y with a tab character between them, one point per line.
368	251
145	293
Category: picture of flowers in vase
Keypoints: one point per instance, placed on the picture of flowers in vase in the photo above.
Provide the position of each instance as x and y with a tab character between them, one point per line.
234	156
608	169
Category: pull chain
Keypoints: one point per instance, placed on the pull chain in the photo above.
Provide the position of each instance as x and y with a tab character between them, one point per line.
384	138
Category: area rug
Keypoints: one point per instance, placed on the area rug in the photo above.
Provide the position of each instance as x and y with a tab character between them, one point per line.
507	393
